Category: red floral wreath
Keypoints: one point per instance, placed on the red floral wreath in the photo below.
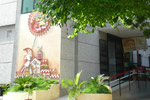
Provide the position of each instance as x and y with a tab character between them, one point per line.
37	25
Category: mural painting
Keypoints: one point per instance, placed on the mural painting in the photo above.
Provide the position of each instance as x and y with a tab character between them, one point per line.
37	25
36	66
34	62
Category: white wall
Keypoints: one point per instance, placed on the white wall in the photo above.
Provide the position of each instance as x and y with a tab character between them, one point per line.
6	52
7	1
8	12
144	55
81	53
67	66
88	55
8	9
78	54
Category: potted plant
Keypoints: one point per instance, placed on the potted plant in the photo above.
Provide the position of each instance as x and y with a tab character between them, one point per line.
74	87
37	88
29	90
93	89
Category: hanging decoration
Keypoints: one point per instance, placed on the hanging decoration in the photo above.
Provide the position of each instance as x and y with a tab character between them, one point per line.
37	24
36	66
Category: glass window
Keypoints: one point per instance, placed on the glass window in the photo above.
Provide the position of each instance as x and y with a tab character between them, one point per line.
27	6
36	1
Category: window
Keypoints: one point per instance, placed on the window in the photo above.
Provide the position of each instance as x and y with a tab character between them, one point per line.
28	5
140	60
149	61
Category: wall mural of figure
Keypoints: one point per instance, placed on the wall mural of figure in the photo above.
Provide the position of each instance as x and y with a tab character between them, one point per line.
36	66
26	69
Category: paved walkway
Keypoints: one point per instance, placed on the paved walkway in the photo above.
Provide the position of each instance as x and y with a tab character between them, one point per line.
1	98
141	93
63	98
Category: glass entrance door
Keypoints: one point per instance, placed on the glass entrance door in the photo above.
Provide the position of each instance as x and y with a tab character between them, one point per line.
112	58
111	55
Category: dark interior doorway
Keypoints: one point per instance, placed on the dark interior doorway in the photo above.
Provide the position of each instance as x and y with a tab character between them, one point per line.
111	55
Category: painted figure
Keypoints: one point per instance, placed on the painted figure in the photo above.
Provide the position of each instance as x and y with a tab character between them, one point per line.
28	57
36	66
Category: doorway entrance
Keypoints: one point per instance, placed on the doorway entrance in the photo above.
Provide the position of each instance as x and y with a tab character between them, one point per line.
111	55
112	58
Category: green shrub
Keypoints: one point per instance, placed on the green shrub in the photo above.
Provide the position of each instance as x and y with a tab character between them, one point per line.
91	88
4	88
96	85
74	87
23	84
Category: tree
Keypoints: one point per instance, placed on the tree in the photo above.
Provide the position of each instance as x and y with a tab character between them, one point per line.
97	13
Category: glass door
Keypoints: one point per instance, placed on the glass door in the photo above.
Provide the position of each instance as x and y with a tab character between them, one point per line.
104	57
112	58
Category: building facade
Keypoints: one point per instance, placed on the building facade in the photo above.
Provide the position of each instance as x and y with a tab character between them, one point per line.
98	53
8	10
144	56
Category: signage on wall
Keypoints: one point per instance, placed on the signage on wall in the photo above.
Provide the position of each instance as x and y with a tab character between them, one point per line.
37	25
134	43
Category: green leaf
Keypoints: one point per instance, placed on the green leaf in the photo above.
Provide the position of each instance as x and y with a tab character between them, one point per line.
81	84
29	83
66	83
93	86
74	88
76	80
96	13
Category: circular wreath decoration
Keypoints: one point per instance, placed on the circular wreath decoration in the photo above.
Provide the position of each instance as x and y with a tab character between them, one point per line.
37	25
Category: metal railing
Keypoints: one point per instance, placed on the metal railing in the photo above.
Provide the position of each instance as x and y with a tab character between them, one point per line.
128	76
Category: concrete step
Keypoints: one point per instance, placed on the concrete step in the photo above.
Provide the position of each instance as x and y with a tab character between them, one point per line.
1	98
63	98
141	93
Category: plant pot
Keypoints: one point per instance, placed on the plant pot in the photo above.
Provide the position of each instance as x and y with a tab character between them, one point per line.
51	94
95	97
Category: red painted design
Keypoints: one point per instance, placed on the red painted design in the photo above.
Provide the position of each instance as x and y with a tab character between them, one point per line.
39	55
37	26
